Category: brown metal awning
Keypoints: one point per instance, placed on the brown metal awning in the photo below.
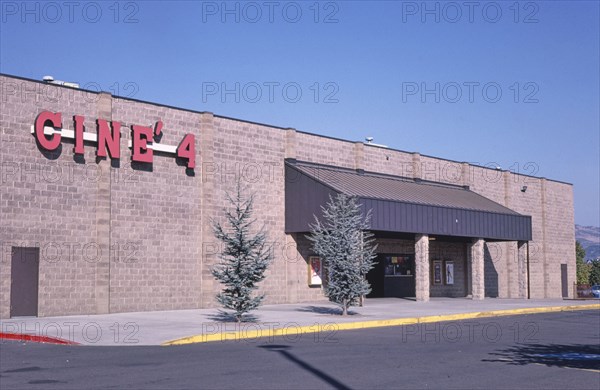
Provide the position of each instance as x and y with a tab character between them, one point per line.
399	204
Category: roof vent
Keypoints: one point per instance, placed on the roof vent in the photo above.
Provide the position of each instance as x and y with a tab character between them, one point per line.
50	80
369	141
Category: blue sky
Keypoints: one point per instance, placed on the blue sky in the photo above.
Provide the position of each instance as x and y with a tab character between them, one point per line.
493	82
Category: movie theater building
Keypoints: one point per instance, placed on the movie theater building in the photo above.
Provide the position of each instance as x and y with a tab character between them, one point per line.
106	206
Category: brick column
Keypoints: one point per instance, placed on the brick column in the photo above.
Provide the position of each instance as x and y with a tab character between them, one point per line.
546	276
416	165
290	152
290	143
359	155
507	248
422	267
522	273
207	190
475	253
466	177
103	219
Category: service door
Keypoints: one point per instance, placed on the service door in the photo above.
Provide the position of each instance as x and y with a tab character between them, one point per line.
564	281
25	266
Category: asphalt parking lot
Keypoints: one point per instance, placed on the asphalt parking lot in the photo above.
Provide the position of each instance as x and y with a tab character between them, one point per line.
540	351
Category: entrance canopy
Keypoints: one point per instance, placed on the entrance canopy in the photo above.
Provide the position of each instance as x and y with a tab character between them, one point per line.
399	204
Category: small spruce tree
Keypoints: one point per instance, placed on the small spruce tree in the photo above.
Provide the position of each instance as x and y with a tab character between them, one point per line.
244	257
583	268
347	249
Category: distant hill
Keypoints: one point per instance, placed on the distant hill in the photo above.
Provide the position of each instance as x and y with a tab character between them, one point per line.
589	238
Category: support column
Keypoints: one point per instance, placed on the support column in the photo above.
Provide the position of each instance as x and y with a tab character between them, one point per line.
477	268
469	272
522	269
422	267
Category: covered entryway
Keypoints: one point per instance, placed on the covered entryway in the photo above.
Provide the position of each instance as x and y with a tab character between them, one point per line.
422	210
25	264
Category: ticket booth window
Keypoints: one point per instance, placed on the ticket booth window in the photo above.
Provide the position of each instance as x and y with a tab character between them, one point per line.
399	266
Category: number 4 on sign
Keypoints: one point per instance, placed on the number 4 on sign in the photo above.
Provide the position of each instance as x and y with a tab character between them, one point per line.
187	150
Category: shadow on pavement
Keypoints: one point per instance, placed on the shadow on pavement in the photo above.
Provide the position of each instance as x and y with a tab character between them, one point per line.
223	316
580	356
284	351
324	310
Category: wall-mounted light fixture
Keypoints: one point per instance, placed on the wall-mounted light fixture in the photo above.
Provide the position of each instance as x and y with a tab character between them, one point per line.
524	188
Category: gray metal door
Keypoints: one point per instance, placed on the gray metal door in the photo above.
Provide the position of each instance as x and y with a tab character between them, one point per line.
25	267
564	280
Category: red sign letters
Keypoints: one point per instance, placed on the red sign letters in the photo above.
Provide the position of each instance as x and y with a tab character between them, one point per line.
48	132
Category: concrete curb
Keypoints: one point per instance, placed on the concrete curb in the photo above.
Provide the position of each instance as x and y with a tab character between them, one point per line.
35	339
253	332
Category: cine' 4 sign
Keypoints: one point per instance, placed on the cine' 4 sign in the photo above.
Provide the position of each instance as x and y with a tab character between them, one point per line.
48	132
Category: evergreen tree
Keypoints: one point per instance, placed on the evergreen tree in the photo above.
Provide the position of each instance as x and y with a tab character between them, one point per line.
346	248
244	257
595	272
583	268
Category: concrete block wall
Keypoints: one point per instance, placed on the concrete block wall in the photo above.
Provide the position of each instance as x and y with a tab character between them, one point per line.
323	150
256	154
154	217
381	160
47	200
122	238
541	201
457	253
111	238
395	246
299	271
530	203
443	171
560	236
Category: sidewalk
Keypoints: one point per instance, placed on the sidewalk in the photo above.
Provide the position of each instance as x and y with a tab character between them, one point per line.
288	320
